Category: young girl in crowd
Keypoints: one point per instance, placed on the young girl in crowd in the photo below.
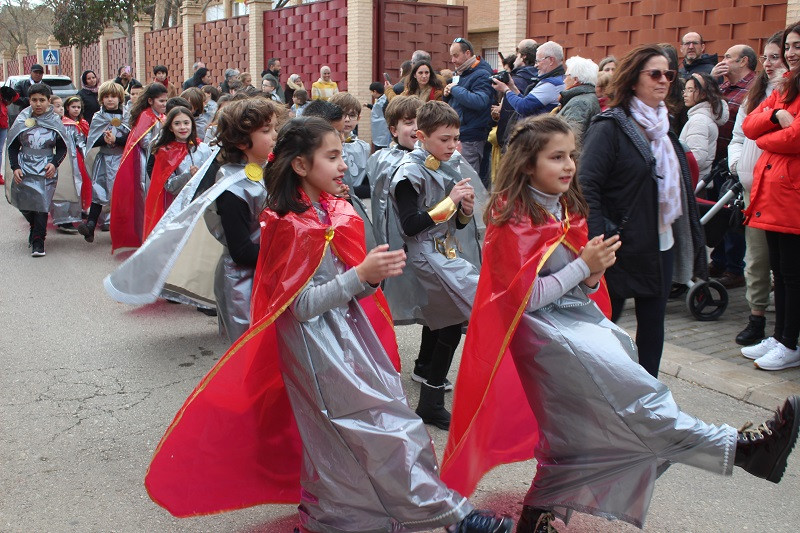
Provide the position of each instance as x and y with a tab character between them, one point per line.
108	134
132	181
317	371
197	103
300	101
37	145
606	428
177	154
211	131
707	112
66	208
65	212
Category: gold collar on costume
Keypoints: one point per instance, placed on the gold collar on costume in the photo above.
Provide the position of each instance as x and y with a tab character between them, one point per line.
116	122
350	139
30	122
432	163
254	172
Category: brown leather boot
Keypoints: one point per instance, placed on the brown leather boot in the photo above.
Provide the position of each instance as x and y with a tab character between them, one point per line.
763	451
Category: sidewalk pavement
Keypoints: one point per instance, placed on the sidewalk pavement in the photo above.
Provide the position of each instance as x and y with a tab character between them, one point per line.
705	353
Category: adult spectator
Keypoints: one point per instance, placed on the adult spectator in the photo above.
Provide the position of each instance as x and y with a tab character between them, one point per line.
246	79
420	55
707	112
231	74
422	83
273	72
737	69
525	72
195	66
601	89
636	181
88	94
608	64
694	57
324	87
579	103
37	73
125	78
773	205
294	83
405	70
470	94
202	76
743	153
675	105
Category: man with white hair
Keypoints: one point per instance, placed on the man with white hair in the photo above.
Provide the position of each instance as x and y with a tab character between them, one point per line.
579	103
540	96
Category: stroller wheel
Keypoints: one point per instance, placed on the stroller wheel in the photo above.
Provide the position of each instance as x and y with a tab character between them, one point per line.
707	300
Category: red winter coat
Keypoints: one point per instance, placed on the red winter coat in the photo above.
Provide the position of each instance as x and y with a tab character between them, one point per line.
776	177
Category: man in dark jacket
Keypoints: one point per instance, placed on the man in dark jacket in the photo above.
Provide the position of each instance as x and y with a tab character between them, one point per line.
273	73
37	73
525	74
694	58
470	94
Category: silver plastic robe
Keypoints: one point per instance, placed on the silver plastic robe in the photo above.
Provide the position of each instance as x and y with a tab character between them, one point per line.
179	256
437	290
607	429
355	154
67	211
368	461
103	161
233	283
36	192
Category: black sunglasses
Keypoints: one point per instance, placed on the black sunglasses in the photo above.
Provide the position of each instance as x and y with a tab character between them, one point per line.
464	42
656	73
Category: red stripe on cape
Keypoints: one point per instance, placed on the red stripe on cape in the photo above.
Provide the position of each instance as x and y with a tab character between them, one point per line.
167	159
126	187
235	442
491	423
86	181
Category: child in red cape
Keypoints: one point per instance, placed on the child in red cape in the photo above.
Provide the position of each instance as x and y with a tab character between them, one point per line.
601	428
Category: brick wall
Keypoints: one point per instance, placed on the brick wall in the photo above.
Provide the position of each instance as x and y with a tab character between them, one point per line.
487	39
306	37
13	68
28	62
403	27
66	65
117	50
90	59
792	11
597	28
164	47
222	44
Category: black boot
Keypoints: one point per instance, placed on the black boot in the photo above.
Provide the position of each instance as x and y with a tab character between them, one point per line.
533	520
87	230
754	332
483	521
763	451
431	406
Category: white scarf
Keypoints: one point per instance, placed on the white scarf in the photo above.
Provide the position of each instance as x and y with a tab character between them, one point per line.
655	123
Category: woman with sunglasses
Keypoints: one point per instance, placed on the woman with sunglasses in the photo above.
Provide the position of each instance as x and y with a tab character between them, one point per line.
636	181
775	126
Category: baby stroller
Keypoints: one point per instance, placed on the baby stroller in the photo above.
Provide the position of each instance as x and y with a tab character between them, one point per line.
708	299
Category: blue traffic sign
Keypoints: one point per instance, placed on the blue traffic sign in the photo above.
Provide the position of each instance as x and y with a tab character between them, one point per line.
51	57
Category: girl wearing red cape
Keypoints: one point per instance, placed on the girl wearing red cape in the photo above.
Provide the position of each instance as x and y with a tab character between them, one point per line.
308	406
132	182
177	154
601	428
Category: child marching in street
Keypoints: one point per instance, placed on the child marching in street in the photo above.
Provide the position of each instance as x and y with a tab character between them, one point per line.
601	428
65	212
106	141
317	371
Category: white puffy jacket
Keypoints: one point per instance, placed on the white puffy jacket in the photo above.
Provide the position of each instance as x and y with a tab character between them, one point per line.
743	152
701	132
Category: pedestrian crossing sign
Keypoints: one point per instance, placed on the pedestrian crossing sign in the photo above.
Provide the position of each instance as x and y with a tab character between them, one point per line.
51	57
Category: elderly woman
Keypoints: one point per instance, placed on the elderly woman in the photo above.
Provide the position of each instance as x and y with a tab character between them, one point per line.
579	103
231	74
636	180
324	88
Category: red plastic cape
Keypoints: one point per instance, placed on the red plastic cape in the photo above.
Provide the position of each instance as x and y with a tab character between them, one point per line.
491	424
235	442
167	159
86	181
123	197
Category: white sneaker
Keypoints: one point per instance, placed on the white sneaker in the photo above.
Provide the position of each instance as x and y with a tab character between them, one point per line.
760	349
778	358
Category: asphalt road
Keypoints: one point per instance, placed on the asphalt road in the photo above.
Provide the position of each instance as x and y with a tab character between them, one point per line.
88	387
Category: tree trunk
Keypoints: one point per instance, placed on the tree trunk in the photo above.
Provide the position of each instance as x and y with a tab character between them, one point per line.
159	14
79	63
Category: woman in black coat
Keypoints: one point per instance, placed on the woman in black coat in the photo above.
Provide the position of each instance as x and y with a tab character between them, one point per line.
88	94
636	180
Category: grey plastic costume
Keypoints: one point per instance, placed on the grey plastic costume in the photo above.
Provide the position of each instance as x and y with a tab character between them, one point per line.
36	192
65	211
181	175
355	154
233	284
607	428
368	463
436	291
179	256
103	161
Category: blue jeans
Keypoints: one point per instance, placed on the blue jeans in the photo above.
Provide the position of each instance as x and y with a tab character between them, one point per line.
729	255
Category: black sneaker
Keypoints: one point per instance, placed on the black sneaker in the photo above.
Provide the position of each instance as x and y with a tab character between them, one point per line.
753	333
67	228
763	451
105	227
37	248
483	521
87	230
207	311
534	520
